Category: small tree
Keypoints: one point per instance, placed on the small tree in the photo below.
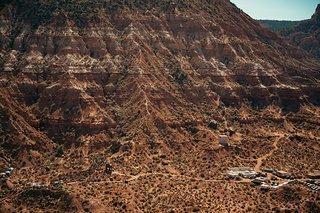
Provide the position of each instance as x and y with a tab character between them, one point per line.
115	147
59	152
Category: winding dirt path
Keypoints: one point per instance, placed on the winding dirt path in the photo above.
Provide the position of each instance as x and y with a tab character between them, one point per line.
136	177
257	168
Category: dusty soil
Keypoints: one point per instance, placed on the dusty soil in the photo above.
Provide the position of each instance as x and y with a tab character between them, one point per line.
150	87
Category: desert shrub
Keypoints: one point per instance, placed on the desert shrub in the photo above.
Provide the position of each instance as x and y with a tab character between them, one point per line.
115	147
59	152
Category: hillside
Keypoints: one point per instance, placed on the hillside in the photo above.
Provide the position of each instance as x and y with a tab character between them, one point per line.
276	25
306	34
150	86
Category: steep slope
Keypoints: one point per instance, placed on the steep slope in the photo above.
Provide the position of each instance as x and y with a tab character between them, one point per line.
132	70
20	138
307	34
139	83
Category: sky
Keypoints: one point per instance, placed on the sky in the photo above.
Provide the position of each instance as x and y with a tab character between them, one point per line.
278	9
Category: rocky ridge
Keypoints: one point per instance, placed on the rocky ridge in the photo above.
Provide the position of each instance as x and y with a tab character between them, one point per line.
141	82
141	71
306	34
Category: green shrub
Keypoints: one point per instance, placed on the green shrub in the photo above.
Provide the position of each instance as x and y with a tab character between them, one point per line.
59	152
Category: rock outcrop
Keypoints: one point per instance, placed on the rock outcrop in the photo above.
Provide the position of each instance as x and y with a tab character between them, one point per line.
150	86
124	70
306	34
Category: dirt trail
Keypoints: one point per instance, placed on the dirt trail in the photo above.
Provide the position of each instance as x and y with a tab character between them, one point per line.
136	177
130	178
178	176
266	156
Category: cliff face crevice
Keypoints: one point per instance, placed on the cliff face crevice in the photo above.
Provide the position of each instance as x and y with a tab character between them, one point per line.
125	71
